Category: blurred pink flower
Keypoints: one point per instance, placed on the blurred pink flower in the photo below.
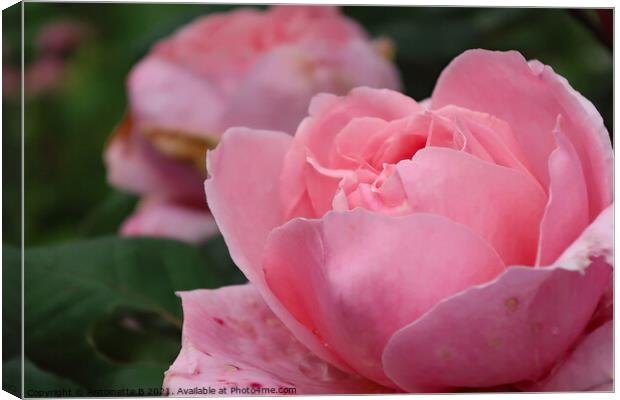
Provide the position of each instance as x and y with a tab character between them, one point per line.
11	82
55	42
241	68
43	75
60	38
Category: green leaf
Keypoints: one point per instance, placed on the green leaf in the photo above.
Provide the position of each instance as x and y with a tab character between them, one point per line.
129	336
106	218
38	383
103	312
218	256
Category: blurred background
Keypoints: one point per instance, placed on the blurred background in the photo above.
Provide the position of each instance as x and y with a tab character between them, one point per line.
126	330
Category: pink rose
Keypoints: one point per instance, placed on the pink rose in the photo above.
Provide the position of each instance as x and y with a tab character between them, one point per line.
241	68
393	247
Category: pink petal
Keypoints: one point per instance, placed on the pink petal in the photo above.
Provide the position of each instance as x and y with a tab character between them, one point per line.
493	134
287	78
233	40
605	309
595	241
242	191
283	89
529	97
585	129
232	339
355	297
400	139
512	329
353	140
162	218
426	103
445	133
321	185
502	205
133	164
170	96
246	207
330	114
588	368
567	213
126	165
302	22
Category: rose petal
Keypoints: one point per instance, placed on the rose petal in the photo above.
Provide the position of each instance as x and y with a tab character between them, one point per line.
164	218
315	136
443	132
585	128
588	368
286	79
522	323
293	22
595	241
169	96
352	142
566	214
246	207
330	114
426	103
284	90
460	186
339	291
401	139
232	339
605	309
127	168
504	85
135	165
229	49
493	134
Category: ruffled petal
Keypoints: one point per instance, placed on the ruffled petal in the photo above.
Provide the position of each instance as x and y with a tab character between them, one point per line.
231	339
494	135
529	97
567	213
329	114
